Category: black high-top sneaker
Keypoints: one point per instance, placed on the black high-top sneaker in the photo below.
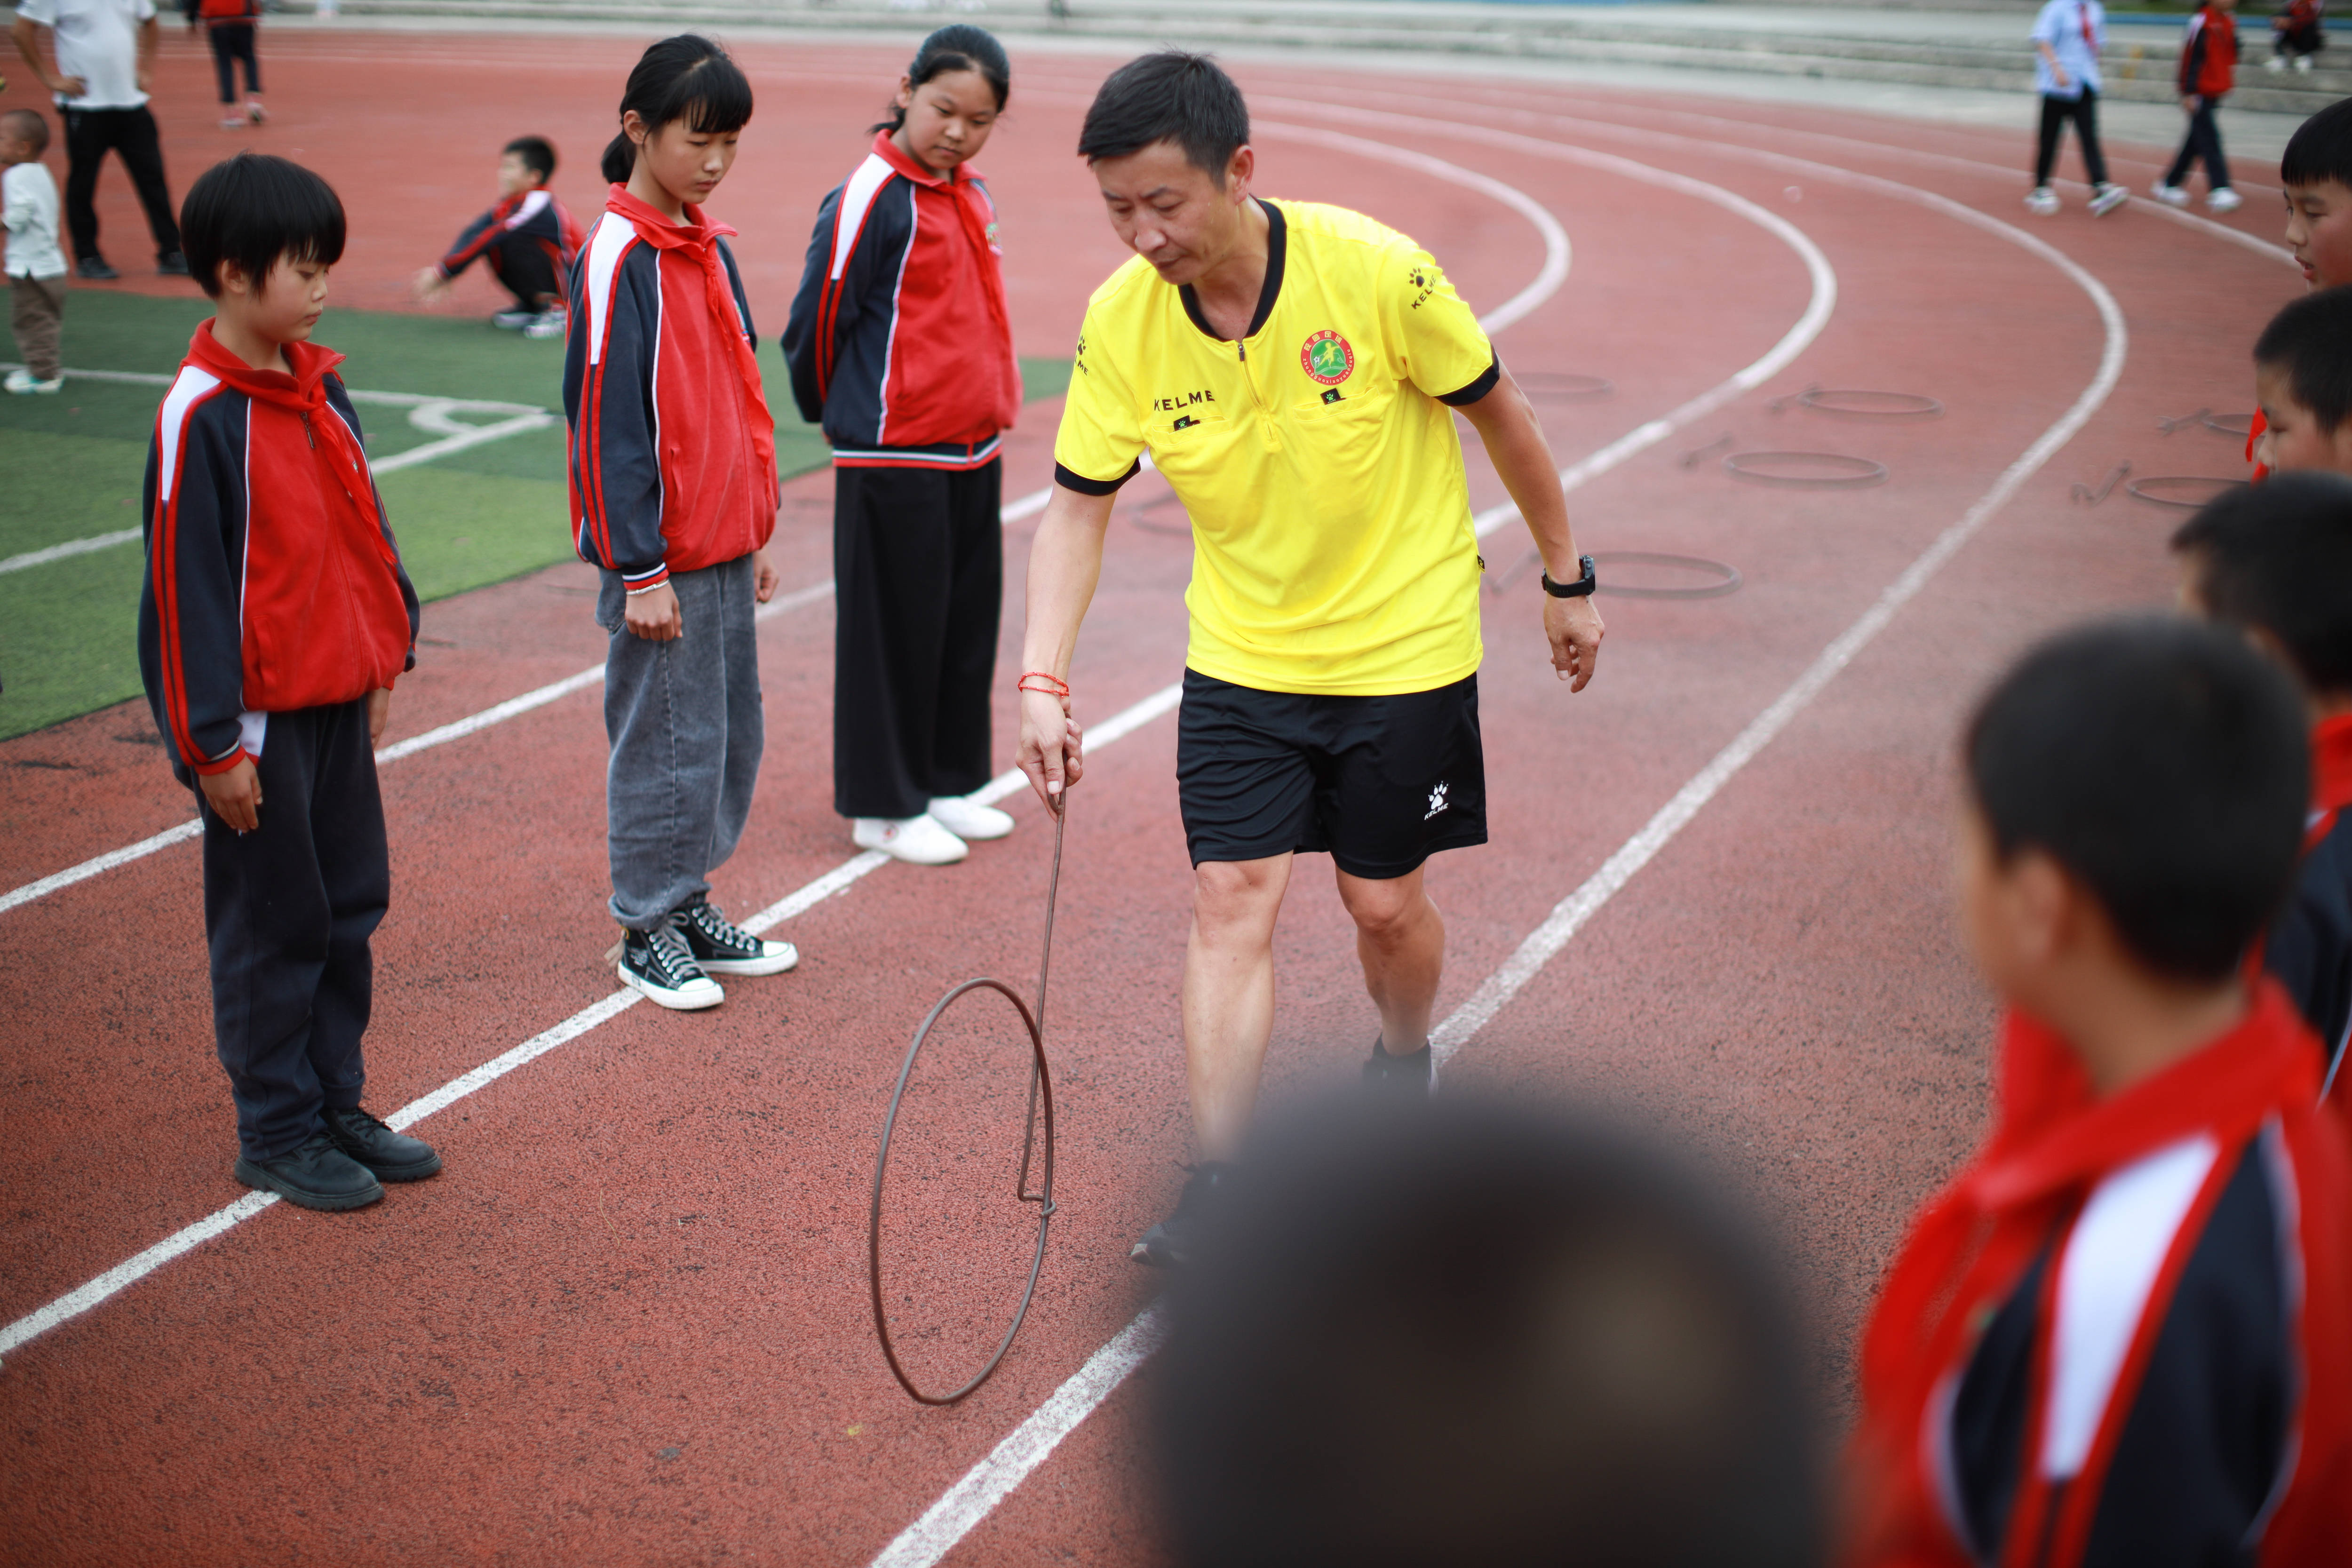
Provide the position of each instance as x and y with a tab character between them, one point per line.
1170	1243
660	963
722	947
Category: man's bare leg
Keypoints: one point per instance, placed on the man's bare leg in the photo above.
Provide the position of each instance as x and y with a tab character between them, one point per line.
1401	940
1229	994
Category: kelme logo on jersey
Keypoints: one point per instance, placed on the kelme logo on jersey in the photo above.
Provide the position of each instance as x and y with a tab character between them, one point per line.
1327	359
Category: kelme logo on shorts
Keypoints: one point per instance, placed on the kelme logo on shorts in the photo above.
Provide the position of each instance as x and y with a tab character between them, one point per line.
1327	358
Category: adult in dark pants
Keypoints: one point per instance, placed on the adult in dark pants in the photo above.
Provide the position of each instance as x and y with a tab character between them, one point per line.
105	57
899	344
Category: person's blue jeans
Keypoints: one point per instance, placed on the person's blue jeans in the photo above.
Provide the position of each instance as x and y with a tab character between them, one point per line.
687	730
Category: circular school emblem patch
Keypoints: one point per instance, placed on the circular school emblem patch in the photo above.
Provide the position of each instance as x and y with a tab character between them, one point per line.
1327	358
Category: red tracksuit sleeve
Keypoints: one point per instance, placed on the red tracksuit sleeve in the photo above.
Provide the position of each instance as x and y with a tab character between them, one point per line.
190	644
479	237
608	397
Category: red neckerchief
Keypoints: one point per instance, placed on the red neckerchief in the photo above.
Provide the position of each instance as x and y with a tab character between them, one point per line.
2331	775
2083	14
2254	430
304	393
968	213
2052	1140
699	238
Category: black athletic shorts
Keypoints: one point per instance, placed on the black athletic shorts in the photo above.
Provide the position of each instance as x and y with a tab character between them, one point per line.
1381	782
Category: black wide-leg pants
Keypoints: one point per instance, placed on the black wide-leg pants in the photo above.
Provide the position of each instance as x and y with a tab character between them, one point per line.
131	134
288	910
919	573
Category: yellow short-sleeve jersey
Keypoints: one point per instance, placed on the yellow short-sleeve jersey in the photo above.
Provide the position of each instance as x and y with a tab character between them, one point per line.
1333	551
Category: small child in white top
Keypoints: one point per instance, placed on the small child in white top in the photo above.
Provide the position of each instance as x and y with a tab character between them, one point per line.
36	266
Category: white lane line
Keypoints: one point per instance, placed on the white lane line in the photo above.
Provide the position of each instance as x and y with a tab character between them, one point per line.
81	1299
949	1520
498	713
70	547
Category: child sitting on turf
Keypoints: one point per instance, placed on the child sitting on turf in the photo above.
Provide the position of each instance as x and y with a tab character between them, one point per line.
528	238
37	268
2276	563
2303	385
679	527
273	620
2123	1334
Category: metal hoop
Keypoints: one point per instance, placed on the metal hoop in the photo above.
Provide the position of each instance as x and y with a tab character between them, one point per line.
2239	427
1041	1098
1857	402
2141	490
1846	473
1729	576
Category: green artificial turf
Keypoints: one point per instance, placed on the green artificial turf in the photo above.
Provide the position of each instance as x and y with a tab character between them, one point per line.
71	465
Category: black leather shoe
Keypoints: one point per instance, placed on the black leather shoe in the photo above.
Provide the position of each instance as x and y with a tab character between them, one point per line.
94	269
314	1175
392	1156
172	264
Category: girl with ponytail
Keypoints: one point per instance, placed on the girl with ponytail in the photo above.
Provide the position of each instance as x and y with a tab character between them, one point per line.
673	470
901	347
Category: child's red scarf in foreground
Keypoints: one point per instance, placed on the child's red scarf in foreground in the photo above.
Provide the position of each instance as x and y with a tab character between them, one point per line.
2054	1139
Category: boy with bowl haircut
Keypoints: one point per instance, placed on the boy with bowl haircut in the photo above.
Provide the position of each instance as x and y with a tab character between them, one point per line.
274	618
2123	1334
2274	562
2303	385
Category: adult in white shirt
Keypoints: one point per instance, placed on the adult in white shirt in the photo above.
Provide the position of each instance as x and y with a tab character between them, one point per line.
2067	38
105	52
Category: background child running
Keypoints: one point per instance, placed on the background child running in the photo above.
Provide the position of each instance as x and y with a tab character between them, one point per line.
527	238
679	527
2303	385
2274	561
233	28
36	265
274	618
899	344
2067	38
2124	1333
2209	70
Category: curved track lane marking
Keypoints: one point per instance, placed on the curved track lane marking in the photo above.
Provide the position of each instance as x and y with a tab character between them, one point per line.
988	1483
1547	282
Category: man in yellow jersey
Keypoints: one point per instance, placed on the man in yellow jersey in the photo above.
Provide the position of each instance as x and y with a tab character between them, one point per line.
1294	371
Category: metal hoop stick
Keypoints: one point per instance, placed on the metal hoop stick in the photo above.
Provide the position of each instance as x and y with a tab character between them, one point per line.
1041	1097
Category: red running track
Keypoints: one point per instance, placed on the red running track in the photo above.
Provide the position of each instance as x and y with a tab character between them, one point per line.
628	1324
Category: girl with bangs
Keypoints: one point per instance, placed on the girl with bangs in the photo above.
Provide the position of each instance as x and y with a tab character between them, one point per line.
673	495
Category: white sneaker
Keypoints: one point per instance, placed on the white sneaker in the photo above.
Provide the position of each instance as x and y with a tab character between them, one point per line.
255	112
513	320
968	819
2043	202
2170	195
918	840
2224	200
2276	63
234	122
21	381
546	324
2303	63
2106	199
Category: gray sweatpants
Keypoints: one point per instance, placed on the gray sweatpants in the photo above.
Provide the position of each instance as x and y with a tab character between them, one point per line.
685	722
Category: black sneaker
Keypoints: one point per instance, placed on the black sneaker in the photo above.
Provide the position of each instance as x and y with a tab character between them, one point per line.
392	1156
1170	1243
659	962
172	264
315	1175
722	947
1404	1078
94	269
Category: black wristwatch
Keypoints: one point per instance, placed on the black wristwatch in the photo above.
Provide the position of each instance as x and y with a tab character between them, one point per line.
1576	590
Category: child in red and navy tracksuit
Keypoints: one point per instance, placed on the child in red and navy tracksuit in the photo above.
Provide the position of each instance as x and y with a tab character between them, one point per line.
2274	562
2299	32
273	620
527	238
2122	1336
2209	70
901	346
673	495
230	27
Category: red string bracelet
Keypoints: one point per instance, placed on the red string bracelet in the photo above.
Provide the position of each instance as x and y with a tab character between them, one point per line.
1051	687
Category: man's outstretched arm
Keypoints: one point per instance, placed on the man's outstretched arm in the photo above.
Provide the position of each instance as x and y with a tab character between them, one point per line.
1522	458
1065	560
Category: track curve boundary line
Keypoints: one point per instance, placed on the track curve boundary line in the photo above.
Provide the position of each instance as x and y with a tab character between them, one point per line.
988	1483
1549	276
